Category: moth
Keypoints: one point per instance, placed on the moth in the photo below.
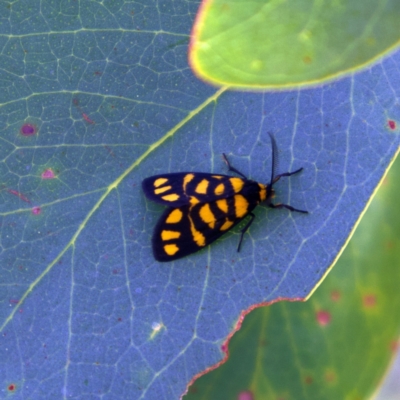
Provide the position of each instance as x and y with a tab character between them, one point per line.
203	206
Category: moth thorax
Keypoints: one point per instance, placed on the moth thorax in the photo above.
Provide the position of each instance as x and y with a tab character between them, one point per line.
263	192
269	193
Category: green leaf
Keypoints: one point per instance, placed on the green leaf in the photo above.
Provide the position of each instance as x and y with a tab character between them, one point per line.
276	44
338	344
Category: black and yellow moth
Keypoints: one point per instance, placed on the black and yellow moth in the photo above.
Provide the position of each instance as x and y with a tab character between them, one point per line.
203	206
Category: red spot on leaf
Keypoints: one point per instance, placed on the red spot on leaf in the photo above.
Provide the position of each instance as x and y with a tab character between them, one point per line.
308	380
85	116
18	194
36	210
192	389
263	343
12	387
48	174
391	124
28	129
335	295
369	300
247	395
394	346
389	245
224	348
14	301
330	376
323	318
108	148
87	119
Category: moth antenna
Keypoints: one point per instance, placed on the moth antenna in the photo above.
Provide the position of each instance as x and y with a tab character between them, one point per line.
274	161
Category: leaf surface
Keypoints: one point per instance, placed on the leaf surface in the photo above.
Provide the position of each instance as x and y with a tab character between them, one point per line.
278	44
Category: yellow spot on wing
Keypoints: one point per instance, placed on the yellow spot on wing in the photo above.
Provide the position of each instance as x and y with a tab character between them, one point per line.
174	217
170	197
226	225
198	237
219	189
222	204
171	249
168	235
201	188
241	206
207	215
162	189
194	200
160	181
237	184
186	180
217	176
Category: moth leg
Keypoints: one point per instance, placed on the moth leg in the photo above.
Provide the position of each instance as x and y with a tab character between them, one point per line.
230	168
247	226
280	205
276	179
